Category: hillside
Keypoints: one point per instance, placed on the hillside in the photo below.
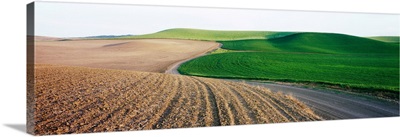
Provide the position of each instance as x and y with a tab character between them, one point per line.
212	35
315	43
106	36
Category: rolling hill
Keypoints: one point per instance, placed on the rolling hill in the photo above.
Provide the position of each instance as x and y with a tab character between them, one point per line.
315	43
211	35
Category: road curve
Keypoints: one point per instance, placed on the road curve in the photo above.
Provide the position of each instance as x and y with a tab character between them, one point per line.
337	105
173	69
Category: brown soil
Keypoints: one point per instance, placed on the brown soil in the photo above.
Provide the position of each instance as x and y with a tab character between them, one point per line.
80	99
149	55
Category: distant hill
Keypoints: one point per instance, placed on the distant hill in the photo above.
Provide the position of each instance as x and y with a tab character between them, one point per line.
333	43
46	38
213	35
390	39
107	36
283	41
314	42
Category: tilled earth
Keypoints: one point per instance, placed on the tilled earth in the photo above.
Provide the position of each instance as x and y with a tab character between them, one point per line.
80	99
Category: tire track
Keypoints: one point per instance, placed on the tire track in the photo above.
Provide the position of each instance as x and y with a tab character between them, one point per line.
282	103
169	106
268	99
262	107
244	113
195	103
265	99
210	106
151	103
247	111
180	113
135	116
218	111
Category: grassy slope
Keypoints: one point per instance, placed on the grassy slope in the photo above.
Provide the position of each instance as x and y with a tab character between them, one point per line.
314	42
213	35
345	60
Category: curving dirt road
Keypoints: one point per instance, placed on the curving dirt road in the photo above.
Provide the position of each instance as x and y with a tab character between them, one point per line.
173	69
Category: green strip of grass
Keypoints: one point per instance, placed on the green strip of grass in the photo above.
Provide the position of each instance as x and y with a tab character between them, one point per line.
220	50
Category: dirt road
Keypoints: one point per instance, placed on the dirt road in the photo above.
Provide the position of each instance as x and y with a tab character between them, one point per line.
337	105
173	69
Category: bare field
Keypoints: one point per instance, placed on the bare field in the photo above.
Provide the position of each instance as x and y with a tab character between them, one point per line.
80	99
149	55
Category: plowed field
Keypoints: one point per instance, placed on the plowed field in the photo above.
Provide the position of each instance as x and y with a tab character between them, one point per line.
149	55
79	99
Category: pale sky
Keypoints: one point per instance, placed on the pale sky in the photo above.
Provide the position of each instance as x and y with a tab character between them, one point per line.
77	20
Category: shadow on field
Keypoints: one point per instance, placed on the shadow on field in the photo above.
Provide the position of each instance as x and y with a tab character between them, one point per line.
18	127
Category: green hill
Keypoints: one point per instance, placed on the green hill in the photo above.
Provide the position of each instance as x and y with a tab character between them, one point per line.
211	35
314	43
